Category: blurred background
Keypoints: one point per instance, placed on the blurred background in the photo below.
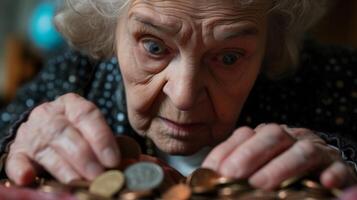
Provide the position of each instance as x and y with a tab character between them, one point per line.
28	37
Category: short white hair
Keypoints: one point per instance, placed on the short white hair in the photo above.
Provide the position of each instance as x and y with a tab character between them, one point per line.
90	26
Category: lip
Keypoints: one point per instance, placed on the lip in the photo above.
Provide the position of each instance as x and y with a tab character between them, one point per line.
181	130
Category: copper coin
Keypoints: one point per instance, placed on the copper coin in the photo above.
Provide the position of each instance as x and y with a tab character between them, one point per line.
311	184
203	178
234	190
78	184
178	192
258	195
135	195
129	148
7	183
54	187
290	194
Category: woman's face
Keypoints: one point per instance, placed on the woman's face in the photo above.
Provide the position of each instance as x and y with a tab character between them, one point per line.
188	67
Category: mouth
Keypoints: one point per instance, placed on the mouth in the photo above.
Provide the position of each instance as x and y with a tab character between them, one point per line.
181	130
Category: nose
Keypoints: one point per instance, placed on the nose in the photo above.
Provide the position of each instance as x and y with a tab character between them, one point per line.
184	84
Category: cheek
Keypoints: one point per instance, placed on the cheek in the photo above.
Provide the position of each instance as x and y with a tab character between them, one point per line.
229	99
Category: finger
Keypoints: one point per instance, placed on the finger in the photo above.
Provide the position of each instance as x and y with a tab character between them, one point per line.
258	150
20	169
219	153
303	134
259	127
86	117
335	176
56	165
76	151
302	157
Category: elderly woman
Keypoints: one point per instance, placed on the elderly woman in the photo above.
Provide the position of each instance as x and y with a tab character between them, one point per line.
187	68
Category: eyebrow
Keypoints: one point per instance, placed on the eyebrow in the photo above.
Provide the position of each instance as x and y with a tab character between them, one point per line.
151	22
238	30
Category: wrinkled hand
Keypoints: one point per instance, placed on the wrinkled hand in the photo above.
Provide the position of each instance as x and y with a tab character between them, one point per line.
67	137
271	153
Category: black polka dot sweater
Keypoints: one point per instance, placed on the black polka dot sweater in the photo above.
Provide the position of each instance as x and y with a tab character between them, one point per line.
321	95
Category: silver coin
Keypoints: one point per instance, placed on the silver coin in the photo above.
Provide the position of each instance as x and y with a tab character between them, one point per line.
143	176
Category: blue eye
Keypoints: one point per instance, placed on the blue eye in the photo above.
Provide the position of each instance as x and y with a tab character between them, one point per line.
230	58
154	47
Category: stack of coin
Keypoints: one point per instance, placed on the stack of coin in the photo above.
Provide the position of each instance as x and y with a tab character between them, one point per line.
135	180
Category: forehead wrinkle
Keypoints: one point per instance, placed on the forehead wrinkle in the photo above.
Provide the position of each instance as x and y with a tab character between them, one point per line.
199	10
202	18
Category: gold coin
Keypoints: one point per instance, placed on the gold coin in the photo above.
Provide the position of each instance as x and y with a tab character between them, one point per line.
178	192
129	148
107	184
85	195
289	182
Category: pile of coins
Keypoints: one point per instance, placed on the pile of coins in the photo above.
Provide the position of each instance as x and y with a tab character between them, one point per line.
139	179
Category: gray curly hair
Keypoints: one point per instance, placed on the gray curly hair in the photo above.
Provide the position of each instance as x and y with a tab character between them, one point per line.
90	26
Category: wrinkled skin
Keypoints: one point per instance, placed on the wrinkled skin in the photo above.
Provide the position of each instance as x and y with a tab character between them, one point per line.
188	67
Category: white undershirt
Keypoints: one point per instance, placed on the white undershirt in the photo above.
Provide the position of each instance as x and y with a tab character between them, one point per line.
185	164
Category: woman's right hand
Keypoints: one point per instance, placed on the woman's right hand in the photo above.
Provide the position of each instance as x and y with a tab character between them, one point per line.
68	137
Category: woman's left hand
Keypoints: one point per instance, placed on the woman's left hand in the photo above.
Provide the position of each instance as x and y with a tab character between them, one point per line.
271	153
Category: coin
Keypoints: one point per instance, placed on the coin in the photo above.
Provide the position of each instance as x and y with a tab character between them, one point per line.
85	195
178	192
107	184
290	194
135	195
129	148
234	190
7	183
258	195
54	187
143	176
315	189
77	184
203	178
290	181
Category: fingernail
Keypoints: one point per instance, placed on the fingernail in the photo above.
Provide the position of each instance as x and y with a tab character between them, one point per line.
93	170
259	180
110	157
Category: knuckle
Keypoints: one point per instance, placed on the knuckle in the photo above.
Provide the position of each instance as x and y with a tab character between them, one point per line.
273	128
276	133
307	149
55	125
70	97
86	108
244	129
41	110
100	140
83	150
21	132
